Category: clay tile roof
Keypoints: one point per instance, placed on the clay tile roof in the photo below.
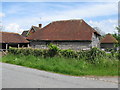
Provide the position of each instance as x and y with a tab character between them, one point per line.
64	30
24	33
8	37
36	28
108	39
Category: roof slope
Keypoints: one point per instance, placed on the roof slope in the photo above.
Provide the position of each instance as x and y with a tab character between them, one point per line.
64	30
24	33
7	37
36	28
108	39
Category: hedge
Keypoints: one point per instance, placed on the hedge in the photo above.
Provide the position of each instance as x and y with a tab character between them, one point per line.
94	55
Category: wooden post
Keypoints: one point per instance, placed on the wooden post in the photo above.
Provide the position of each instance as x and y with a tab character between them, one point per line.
18	45
28	45
6	47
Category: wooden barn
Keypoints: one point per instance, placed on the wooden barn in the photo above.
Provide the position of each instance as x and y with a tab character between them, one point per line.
8	39
67	34
108	42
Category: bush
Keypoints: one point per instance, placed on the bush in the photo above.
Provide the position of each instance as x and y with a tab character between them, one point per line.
13	50
53	50
22	51
38	52
95	55
82	54
68	53
118	55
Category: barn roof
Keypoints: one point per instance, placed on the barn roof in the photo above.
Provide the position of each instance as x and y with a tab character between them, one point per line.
64	30
24	33
35	28
108	39
8	37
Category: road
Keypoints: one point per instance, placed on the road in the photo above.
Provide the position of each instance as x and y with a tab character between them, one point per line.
14	76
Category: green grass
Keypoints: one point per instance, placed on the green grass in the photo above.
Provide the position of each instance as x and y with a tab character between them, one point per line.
106	67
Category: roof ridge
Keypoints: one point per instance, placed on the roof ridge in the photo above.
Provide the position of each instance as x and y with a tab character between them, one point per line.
68	20
34	26
25	30
9	32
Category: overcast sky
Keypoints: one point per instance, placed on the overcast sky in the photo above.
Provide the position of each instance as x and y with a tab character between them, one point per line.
19	16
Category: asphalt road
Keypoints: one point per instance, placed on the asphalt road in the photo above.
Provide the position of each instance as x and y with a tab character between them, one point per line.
21	77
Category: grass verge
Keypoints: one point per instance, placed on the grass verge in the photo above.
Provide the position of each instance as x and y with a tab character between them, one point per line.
67	66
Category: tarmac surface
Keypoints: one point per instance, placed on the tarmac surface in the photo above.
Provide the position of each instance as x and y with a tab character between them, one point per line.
14	76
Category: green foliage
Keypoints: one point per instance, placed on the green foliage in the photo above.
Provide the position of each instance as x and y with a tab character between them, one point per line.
68	53
91	62
118	54
92	56
53	50
16	51
38	52
117	36
82	54
70	66
109	49
118	28
95	55
53	47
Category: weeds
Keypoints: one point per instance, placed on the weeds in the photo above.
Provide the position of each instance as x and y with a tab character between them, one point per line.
63	65
91	62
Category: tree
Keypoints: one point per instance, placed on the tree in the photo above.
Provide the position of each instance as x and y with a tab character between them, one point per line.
118	28
118	34
99	31
118	38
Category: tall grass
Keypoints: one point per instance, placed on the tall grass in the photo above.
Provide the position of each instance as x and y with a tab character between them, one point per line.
91	62
64	65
